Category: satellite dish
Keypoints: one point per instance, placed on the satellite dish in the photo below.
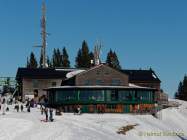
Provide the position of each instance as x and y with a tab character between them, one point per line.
73	73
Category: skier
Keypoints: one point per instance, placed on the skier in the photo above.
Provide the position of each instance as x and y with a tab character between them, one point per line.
46	114
17	108
21	107
42	109
75	110
7	109
28	106
4	105
51	114
78	110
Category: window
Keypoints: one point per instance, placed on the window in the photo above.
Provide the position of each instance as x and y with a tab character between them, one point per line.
66	95
53	84
107	72
125	95
145	95
111	106
99	82
35	93
114	96
87	82
35	83
98	72
111	95
116	82
91	95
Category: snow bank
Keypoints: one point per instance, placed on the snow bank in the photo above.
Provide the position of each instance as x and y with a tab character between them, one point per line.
11	127
95	126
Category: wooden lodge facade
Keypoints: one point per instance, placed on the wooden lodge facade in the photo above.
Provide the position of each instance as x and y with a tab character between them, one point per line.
98	89
101	89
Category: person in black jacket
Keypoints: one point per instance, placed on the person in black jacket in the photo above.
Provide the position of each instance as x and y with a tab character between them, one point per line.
51	114
46	114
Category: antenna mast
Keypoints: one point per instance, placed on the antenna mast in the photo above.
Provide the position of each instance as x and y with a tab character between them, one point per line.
44	35
97	51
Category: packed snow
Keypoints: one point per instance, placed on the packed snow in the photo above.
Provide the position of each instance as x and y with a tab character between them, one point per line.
170	125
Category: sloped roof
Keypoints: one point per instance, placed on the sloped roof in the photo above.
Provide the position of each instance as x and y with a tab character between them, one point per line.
141	75
60	73
43	73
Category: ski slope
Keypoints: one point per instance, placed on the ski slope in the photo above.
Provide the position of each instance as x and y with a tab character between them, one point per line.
28	126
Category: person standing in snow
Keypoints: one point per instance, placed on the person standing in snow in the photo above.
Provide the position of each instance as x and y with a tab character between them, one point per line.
3	105
29	108
46	114
51	114
0	102
28	105
16	106
21	107
78	110
42	109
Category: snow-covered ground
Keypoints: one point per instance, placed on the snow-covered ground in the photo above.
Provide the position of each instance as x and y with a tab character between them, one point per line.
28	126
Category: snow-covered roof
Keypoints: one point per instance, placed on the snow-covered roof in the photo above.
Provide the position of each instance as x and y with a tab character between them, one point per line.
73	73
136	86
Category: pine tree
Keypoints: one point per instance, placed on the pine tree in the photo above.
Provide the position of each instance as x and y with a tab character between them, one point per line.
78	59
54	58
32	63
179	91
182	90
85	55
41	60
59	58
83	59
65	58
28	64
49	62
116	61
112	60
109	58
